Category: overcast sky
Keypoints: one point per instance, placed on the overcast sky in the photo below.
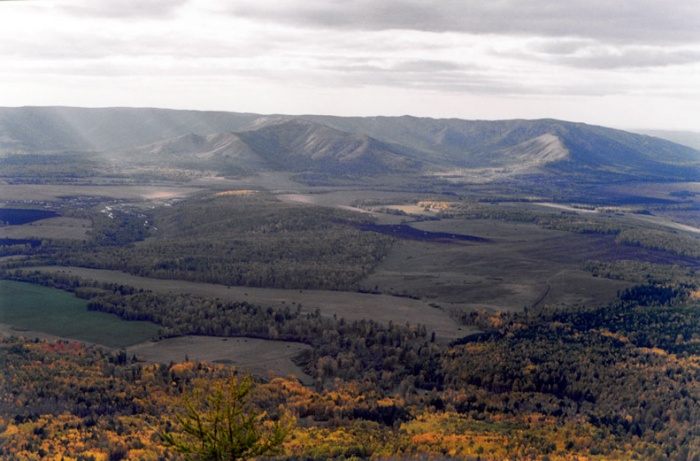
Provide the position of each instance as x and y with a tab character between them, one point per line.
620	63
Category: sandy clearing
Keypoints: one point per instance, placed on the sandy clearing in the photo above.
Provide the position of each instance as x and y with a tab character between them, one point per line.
236	192
559	206
297	198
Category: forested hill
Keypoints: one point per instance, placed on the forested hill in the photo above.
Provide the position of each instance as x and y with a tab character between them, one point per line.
348	146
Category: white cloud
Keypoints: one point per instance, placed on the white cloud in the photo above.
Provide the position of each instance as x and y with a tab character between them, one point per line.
123	9
628	21
590	54
335	54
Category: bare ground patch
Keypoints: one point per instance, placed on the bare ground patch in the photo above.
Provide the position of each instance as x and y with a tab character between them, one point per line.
257	356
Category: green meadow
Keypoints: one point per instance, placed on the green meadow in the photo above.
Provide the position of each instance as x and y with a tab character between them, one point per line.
36	308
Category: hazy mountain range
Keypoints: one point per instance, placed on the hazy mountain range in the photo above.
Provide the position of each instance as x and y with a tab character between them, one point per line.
687	138
346	146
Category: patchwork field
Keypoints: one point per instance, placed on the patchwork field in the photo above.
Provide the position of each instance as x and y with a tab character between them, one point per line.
34	311
437	268
521	265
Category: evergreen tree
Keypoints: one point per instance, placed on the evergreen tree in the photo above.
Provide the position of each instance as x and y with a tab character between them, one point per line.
220	427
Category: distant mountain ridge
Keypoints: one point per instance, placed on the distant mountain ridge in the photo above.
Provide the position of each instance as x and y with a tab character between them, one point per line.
686	138
348	146
108	129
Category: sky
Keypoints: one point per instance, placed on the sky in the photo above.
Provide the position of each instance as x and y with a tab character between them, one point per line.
630	64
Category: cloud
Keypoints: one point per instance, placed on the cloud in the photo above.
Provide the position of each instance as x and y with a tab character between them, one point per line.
640	21
605	58
596	55
440	50
131	9
426	66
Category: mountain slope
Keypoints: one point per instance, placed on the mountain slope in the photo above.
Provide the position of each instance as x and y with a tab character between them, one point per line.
224	152
298	145
194	146
590	149
615	153
686	138
348	146
284	145
38	129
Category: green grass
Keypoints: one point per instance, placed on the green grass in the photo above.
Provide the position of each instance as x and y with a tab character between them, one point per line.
36	308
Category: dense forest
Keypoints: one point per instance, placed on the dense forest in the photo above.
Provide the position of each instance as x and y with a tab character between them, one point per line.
620	381
251	240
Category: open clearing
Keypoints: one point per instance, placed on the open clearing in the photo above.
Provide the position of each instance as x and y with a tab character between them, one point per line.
27	308
351	306
687	213
258	356
51	228
524	265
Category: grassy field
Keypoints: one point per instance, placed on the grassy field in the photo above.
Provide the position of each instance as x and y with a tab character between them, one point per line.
28	308
687	192
351	306
51	228
35	311
523	265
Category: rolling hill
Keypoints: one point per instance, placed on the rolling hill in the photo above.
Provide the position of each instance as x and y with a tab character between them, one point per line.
293	145
348	146
581	149
298	145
